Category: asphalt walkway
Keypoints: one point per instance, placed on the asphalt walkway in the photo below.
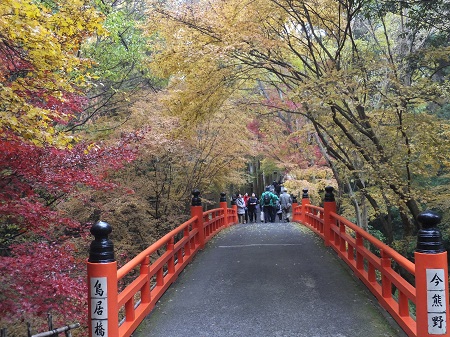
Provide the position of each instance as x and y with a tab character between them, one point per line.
267	280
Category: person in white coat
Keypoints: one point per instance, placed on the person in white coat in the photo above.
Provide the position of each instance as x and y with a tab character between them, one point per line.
286	205
240	203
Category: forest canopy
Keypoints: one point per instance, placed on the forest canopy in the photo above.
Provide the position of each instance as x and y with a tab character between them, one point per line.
367	81
117	110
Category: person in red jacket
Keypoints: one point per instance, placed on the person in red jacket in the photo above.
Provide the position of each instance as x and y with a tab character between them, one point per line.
246	197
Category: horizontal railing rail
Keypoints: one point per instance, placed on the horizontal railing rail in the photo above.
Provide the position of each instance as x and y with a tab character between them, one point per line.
380	271
415	294
152	281
376	271
213	221
134	289
391	277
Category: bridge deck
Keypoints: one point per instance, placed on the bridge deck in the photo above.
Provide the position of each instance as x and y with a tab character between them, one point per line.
267	280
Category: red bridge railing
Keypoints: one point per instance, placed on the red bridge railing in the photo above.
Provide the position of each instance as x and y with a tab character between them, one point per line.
414	293
119	299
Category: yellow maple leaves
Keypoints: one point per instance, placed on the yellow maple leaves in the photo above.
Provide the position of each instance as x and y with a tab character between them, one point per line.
348	72
39	48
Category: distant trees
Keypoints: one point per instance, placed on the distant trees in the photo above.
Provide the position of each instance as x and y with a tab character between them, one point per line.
174	160
361	76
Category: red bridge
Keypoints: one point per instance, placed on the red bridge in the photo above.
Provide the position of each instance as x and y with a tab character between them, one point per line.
415	294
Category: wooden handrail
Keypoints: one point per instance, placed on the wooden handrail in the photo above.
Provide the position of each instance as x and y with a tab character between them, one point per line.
133	263
141	291
382	270
377	265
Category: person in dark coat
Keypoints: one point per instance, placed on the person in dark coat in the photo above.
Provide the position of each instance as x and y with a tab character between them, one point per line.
251	204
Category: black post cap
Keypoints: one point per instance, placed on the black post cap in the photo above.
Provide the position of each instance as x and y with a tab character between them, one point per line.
101	249
223	196
329	196
305	194
196	201
429	238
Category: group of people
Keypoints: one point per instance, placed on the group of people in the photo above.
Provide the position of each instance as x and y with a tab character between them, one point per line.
270	205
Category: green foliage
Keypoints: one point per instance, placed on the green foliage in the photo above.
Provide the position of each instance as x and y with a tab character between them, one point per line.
442	111
376	233
119	73
268	166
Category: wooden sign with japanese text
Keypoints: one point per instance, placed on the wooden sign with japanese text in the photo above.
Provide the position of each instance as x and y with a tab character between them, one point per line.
99	306
436	302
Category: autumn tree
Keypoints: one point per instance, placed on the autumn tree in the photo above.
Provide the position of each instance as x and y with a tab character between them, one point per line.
155	190
119	73
42	79
285	138
351	68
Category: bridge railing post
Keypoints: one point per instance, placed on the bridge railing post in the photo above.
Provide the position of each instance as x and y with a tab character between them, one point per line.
294	217
103	317
197	210
329	206
431	272
224	206
305	201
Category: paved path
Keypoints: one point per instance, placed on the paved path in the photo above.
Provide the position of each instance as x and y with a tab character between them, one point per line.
267	280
